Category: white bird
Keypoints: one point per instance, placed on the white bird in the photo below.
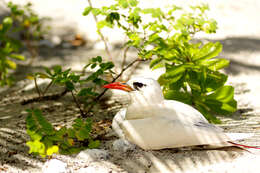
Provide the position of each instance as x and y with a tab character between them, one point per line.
154	123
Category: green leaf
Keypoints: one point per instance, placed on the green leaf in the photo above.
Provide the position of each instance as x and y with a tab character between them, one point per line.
36	147
7	22
155	12
69	85
17	56
208	51
93	144
103	23
96	59
42	75
155	61
82	134
34	134
87	11
220	107
224	94
52	149
111	17
178	95
133	3
204	110
106	66
172	74
222	100
85	91
35	121
11	64
214	80
123	3
57	69
48	71
216	64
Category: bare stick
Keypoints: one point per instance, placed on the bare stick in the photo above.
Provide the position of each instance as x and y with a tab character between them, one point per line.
124	57
37	88
46	89
132	70
78	105
101	35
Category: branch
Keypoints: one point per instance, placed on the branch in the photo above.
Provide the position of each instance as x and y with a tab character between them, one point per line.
124	56
101	35
78	105
37	88
46	89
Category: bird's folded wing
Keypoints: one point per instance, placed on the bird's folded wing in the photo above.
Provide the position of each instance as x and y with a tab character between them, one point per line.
166	132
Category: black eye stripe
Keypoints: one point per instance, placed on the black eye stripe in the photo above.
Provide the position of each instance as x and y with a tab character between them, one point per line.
138	85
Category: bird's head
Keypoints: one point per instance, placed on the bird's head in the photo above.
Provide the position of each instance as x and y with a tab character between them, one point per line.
140	88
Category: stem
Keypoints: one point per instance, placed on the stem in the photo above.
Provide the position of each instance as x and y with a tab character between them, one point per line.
78	105
132	71
37	88
46	89
101	35
124	57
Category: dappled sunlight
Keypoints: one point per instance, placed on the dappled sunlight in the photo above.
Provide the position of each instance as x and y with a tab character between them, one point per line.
173	125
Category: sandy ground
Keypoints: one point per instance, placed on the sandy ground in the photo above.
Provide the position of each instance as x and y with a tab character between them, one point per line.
240	35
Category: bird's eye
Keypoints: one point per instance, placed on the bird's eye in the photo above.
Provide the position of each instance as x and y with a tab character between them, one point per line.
138	85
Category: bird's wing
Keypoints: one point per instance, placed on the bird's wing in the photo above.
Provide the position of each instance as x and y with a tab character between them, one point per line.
184	109
166	132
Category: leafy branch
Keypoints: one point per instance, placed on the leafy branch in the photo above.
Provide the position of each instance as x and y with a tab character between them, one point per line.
192	69
45	140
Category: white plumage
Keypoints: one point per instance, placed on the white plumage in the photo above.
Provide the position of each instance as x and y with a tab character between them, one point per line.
154	123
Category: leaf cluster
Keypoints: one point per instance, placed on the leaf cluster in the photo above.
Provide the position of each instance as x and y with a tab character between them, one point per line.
76	83
27	21
45	140
166	37
24	21
9	51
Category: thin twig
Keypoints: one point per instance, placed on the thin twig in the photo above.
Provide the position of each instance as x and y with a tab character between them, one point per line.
132	71
101	35
124	57
78	105
37	88
46	89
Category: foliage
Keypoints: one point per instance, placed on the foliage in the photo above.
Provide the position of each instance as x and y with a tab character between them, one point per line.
71	80
27	21
45	140
166	37
9	48
24	21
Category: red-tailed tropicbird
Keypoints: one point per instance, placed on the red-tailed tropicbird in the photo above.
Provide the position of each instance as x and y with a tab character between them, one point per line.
154	123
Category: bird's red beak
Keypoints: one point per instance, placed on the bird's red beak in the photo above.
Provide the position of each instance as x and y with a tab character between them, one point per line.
119	86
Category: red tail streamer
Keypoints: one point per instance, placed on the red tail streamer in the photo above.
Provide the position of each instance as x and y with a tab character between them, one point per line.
245	146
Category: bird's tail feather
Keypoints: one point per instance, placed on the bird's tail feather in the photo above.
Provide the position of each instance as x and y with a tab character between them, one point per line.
244	146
